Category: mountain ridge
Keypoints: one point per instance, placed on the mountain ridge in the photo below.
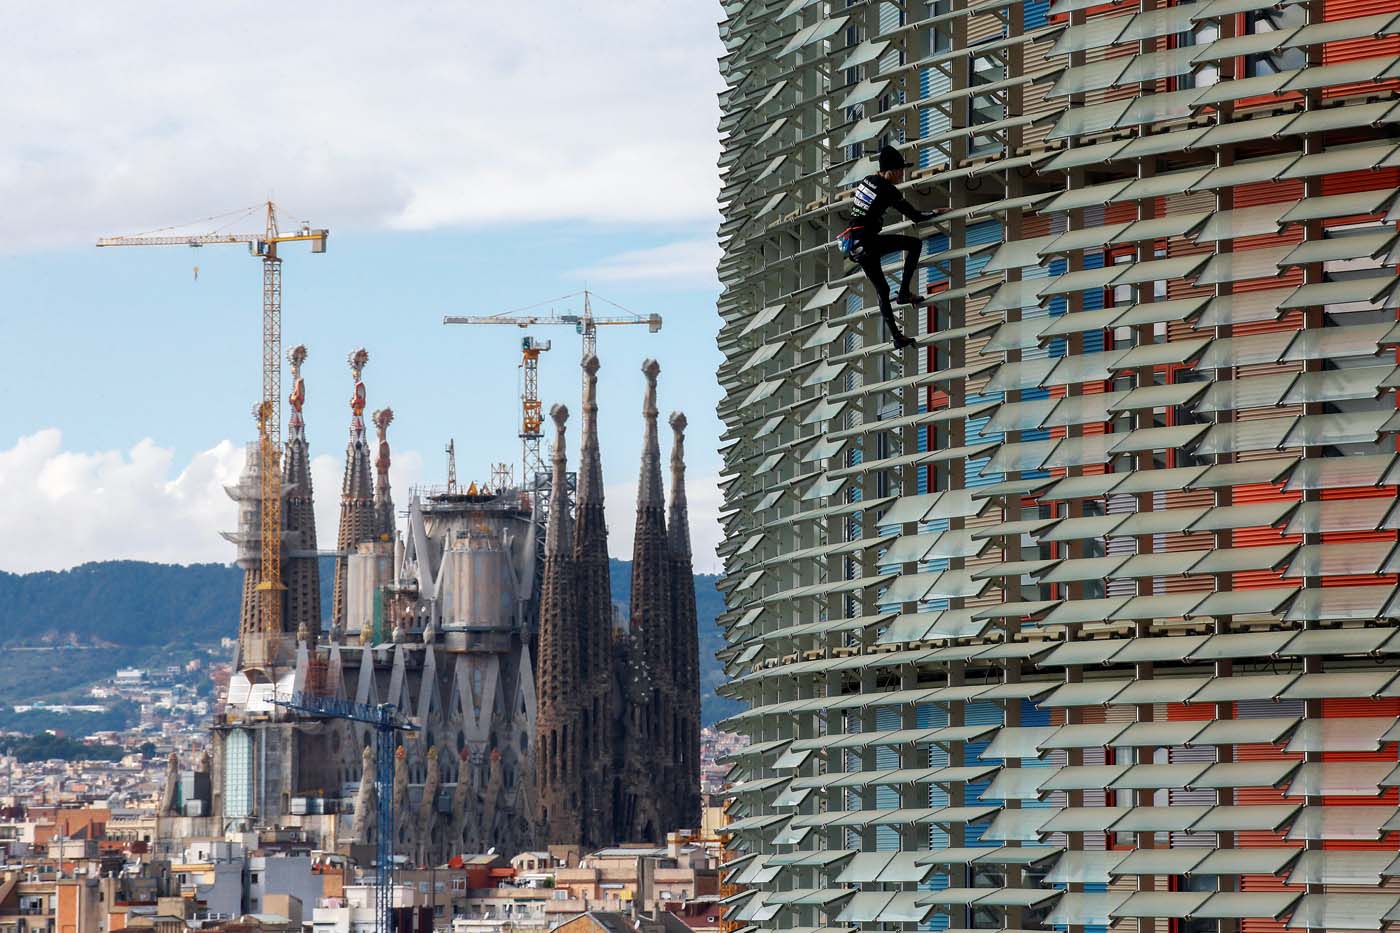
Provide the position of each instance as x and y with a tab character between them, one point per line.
143	606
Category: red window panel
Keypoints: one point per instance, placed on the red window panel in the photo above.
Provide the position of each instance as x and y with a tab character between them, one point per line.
1365	180
1268	192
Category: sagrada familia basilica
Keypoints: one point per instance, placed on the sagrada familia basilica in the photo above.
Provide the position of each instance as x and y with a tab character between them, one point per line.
542	714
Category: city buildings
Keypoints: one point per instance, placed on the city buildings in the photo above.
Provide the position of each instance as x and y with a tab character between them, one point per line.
1081	612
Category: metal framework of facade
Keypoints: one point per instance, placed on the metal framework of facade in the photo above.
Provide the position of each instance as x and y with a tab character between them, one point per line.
1083	612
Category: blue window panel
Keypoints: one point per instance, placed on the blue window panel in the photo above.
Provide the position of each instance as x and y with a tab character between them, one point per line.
1034	14
891	17
1038	434
983	714
932	121
935	922
984	233
921	484
974	432
938	243
938	524
929	716
972	836
886	839
974	474
934	882
1033	715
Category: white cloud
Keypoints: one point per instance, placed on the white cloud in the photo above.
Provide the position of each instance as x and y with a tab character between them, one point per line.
61	508
702	499
686	262
356	115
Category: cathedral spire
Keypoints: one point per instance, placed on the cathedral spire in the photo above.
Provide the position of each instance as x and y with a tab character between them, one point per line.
651	757
560	782
599	698
678	528
559	532
649	482
685	642
357	516
590	469
302	568
383	495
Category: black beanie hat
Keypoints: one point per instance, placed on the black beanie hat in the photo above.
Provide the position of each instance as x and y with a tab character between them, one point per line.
891	159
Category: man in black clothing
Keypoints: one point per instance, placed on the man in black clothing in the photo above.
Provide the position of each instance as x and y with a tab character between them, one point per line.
873	195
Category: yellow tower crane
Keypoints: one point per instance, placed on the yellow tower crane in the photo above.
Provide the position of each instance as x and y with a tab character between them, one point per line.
585	323
259	654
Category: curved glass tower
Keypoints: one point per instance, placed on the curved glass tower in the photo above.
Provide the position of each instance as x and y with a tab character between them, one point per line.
1081	613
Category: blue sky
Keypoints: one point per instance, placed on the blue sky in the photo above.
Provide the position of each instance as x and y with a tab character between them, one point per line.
129	382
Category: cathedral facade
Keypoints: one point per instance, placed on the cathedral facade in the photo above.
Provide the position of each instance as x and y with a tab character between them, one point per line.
619	708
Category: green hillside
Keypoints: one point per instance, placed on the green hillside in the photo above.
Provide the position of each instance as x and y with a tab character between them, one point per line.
101	616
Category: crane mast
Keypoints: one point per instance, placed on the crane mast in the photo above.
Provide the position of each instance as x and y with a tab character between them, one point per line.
258	654
531	411
387	723
270	584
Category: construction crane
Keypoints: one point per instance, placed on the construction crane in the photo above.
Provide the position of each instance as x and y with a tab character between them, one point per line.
584	323
451	450
387	723
531	410
269	409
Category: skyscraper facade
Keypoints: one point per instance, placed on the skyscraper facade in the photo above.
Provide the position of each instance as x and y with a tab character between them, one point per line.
1081	612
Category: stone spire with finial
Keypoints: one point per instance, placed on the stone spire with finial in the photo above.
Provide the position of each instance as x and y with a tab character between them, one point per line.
383	495
560	780
303	574
685	640
357	515
649	636
593	608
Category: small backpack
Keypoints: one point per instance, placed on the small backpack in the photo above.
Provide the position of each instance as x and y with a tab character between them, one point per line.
849	242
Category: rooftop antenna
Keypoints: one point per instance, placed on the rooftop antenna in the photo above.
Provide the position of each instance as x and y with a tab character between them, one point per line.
452	467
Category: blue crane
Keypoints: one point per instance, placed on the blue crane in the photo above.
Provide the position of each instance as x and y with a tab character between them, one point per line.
387	722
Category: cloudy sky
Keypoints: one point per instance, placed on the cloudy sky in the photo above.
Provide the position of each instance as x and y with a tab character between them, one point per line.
466	159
